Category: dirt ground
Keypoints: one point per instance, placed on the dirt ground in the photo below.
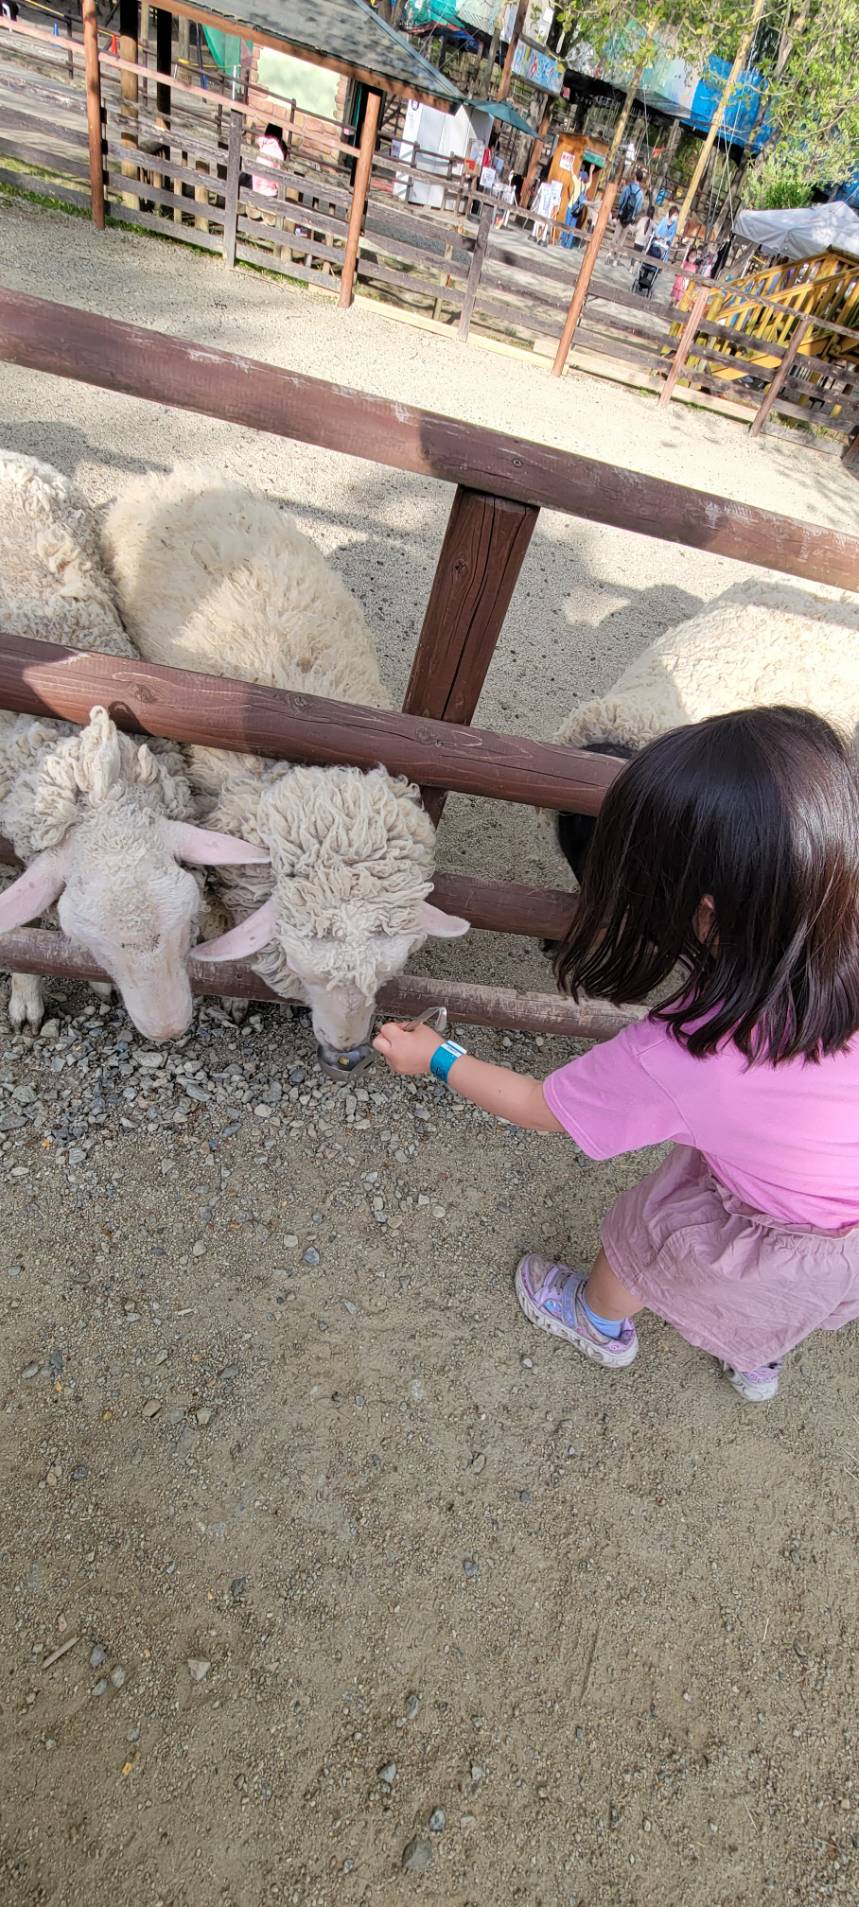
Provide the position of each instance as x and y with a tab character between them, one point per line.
334	1544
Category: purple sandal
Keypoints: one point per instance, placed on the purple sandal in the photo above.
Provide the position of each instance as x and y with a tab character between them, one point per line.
550	1296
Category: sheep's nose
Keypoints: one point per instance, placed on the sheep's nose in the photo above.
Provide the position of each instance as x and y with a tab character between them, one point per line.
343	1065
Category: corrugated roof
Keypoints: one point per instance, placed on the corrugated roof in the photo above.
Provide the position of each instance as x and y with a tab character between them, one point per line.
345	34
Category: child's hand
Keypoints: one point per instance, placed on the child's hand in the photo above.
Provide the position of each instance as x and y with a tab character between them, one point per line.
407	1049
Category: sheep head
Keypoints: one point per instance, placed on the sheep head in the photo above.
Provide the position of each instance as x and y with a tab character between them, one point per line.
108	816
352	859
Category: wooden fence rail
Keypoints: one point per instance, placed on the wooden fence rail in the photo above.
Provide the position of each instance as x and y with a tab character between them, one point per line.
42	336
39	678
500	485
32	950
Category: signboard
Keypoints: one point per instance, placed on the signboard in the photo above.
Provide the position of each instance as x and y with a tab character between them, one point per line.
671	85
539	69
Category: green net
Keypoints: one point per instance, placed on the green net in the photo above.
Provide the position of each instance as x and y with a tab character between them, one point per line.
226	51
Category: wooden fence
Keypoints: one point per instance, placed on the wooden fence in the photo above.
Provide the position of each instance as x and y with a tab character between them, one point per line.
179	160
500	485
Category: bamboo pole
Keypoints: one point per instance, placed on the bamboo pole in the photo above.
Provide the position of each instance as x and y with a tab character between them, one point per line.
360	189
730	83
93	112
577	302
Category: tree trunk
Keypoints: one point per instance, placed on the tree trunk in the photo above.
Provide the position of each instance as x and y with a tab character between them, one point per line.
484	77
507	73
625	111
730	83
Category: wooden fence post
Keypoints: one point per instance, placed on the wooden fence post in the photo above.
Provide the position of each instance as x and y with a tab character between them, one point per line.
577	302
685	341
483	551
129	90
93	112
231	189
484	227
780	377
360	189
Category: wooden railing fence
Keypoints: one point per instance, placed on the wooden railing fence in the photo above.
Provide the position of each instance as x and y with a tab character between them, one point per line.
81	125
501	483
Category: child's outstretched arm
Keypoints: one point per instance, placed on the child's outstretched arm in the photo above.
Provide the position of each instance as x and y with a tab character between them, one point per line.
509	1095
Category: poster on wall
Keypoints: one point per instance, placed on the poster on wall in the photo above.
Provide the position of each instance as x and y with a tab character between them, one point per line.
539	69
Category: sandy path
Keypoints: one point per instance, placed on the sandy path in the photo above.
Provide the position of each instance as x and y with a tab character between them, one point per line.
642	1689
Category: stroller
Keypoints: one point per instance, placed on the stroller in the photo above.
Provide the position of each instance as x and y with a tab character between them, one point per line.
649	270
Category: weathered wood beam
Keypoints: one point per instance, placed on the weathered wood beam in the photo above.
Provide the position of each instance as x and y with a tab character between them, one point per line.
43	336
34	950
38	678
484	547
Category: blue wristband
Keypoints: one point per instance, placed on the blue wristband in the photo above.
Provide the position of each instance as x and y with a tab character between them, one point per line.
444	1058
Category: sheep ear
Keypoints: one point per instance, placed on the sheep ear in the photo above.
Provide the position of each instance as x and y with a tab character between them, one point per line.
249	937
442	926
203	847
99	763
34	891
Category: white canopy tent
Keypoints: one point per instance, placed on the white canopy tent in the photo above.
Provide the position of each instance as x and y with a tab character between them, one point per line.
804	232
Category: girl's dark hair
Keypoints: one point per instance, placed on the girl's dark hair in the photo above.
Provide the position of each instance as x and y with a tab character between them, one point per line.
759	812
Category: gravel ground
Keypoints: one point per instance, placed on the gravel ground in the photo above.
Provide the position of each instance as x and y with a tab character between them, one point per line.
367	1593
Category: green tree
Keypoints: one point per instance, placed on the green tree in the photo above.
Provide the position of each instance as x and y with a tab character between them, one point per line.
812	70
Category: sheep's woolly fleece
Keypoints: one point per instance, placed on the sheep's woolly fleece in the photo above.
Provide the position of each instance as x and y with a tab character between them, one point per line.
211	577
54	588
53	584
759	644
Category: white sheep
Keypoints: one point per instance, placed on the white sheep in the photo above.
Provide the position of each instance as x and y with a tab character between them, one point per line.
102	822
760	644
212	577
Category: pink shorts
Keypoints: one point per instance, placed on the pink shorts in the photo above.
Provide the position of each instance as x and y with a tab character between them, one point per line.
745	1287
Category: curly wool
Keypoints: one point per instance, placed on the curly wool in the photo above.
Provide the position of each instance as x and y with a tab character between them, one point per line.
211	577
53	583
759	644
46	780
54	588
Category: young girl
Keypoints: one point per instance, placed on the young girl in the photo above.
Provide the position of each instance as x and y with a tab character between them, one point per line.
729	850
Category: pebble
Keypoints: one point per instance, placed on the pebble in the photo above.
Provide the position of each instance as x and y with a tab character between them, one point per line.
290	1241
198	1249
203	1416
198	1668
417	1856
527	1363
117	1676
153	1407
97	1658
30	1370
470	1568
437	1820
229	1372
311	1255
388	1774
413	1703
237	1587
478	1462
102	1686
477	1773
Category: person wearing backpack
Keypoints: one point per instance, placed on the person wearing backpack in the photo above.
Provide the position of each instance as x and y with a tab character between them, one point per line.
629	208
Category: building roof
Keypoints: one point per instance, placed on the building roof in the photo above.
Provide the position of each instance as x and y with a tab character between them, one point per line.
347	35
502	109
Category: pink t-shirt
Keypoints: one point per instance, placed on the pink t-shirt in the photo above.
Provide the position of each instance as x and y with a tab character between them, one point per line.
785	1139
